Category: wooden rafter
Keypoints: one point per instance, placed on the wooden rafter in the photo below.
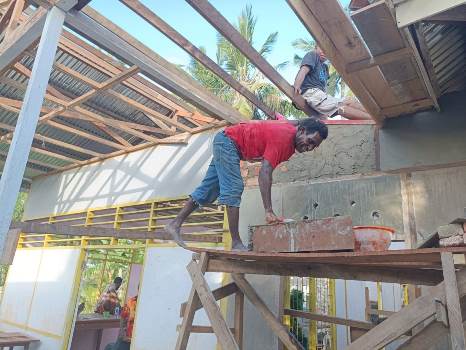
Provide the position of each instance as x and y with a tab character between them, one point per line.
191	49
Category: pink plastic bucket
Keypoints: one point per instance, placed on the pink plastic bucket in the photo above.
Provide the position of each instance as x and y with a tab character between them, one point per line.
372	238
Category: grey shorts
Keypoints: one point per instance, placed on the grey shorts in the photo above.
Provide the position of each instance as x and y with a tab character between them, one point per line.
327	106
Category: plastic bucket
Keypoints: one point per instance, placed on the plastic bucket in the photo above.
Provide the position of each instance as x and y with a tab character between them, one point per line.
372	238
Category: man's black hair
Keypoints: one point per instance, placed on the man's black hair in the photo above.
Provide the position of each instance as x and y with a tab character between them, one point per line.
118	280
311	125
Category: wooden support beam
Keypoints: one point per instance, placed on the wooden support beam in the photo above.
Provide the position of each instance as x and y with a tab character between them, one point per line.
239	318
354	81
411	11
14	20
10	182
378	60
21	39
348	272
192	50
422	69
96	231
221	24
455	318
35	162
9	248
276	326
426	58
328	319
5	20
218	293
160	71
218	323
201	329
409	107
407	318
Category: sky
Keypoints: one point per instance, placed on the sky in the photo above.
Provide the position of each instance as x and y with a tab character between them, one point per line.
272	15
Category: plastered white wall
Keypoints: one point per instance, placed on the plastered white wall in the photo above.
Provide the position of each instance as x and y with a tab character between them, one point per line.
38	293
162	171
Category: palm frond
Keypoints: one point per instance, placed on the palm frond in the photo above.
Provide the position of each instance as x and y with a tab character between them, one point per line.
304	44
267	46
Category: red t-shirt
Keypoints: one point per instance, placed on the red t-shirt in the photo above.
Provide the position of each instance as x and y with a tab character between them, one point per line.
271	140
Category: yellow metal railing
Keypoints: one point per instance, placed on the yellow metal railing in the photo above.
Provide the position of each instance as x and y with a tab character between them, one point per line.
151	215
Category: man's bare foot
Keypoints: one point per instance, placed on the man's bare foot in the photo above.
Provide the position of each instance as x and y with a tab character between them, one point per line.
174	231
239	247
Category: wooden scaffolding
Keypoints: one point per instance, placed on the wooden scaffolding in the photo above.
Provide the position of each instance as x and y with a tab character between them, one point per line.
425	321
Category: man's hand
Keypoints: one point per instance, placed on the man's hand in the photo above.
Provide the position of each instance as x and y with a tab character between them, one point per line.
271	218
297	90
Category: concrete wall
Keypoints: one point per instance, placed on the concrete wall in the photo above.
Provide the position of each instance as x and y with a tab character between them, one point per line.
169	171
426	138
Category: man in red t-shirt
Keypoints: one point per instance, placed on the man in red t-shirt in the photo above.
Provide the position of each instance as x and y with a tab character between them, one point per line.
270	142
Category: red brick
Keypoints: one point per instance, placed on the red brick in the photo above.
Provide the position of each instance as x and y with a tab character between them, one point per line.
331	234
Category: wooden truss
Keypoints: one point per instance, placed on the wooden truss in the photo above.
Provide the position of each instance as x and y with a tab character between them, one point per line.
426	320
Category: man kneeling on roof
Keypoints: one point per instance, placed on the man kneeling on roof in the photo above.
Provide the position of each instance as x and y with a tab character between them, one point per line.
271	142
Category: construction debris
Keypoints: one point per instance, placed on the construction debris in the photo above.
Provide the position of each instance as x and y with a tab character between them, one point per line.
452	235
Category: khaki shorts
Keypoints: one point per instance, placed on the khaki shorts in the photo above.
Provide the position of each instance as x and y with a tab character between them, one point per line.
327	106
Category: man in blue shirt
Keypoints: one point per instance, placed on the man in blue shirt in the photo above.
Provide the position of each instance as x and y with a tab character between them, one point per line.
311	83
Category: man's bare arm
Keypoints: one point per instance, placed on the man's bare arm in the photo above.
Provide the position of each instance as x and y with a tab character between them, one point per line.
300	78
265	186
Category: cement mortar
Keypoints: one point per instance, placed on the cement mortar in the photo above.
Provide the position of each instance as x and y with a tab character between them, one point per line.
348	150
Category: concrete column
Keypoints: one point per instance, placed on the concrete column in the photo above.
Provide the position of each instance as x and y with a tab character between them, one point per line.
20	147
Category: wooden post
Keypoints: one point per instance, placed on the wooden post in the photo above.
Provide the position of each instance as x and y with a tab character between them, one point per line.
219	325
239	314
453	302
20	147
191	307
276	326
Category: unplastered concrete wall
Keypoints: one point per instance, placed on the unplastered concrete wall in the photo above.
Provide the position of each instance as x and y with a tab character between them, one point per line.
426	138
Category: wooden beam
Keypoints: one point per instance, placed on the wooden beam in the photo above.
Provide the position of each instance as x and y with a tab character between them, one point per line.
378	60
422	69
219	293
220	23
411	11
406	108
276	326
201	329
96	231
328	319
455	319
193	304
9	248
4	21
35	162
348	272
14	20
455	15
192	50
239	318
427	59
15	165
218	323
407	318
154	67
21	38
318	31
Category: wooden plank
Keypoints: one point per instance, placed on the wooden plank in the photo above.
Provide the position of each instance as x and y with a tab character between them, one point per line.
201	329
22	38
411	11
455	319
427	58
193	304
406	108
191	49
164	73
95	231
219	293
218	323
318	31
328	270
239	318
276	326
407	318
15	165
4	21
328	319
14	20
378	60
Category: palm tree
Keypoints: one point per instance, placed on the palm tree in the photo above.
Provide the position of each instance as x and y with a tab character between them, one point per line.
336	85
238	66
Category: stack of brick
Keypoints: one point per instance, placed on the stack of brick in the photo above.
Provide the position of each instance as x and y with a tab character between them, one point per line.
452	235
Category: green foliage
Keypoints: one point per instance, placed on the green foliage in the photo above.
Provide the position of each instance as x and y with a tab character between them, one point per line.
102	266
238	66
19	207
297	303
